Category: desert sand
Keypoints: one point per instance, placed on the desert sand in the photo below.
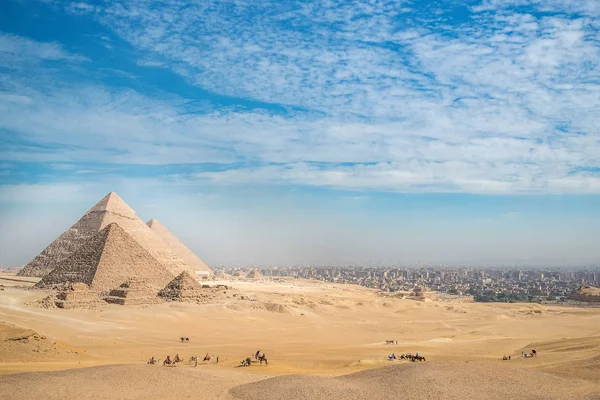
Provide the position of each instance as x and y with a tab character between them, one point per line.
322	341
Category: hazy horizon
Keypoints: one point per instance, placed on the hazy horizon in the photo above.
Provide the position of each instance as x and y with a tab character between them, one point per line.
298	132
320	228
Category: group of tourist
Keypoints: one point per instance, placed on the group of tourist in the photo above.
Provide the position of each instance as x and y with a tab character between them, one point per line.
523	354
257	357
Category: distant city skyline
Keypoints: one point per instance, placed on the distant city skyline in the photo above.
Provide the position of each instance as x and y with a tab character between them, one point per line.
336	132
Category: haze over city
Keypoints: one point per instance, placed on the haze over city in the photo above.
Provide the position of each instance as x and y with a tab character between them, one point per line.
308	133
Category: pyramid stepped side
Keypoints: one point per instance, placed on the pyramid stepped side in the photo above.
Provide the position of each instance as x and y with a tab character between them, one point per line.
151	242
123	258
135	291
108	259
87	226
80	266
181	250
77	295
111	209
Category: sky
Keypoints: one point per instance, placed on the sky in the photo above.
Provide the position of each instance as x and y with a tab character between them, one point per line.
308	132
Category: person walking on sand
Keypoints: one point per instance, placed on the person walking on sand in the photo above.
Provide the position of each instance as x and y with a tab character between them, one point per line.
217	359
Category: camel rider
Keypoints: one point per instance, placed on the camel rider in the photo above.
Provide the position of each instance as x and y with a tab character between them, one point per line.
168	360
152	360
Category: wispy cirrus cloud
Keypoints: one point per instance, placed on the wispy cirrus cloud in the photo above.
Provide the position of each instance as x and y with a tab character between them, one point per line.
15	49
377	95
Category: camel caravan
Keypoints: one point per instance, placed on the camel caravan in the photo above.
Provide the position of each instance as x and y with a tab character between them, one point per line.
168	362
257	357
409	356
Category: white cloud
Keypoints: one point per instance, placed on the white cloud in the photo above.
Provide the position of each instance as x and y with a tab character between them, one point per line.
14	48
507	103
422	177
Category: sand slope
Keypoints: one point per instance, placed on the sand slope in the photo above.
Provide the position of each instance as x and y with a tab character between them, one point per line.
130	382
421	381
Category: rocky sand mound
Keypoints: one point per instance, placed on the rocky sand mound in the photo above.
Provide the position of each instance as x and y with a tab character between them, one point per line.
19	345
423	381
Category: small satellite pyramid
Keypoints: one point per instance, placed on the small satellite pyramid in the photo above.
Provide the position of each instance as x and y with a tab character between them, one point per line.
254	274
108	210
134	291
183	288
178	248
105	261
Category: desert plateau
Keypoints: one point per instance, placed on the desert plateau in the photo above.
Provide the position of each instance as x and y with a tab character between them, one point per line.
322	341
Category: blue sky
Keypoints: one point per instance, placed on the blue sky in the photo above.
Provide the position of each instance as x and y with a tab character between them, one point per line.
308	132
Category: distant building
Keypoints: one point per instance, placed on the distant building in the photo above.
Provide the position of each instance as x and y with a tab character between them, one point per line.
203	274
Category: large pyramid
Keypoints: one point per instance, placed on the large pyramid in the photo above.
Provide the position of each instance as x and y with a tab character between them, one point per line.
108	210
178	248
107	260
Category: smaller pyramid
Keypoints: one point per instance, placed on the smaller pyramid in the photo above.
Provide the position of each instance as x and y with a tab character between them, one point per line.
183	288
134	291
254	274
77	295
105	261
180	250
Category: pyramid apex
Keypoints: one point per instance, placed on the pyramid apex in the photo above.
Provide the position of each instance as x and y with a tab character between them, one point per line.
110	195
153	222
112	202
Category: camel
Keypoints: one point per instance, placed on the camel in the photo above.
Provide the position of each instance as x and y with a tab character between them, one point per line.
168	362
182	339
152	361
262	358
533	353
389	342
207	358
177	359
